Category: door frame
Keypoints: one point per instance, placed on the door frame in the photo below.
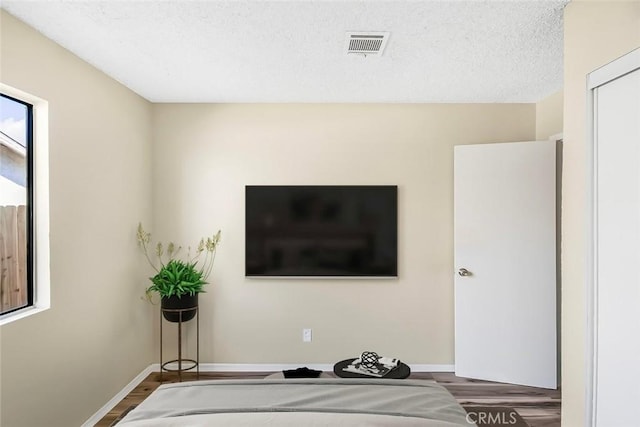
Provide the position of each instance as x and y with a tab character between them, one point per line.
599	77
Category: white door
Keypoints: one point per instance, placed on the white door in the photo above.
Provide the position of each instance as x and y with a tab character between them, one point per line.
505	257
616	236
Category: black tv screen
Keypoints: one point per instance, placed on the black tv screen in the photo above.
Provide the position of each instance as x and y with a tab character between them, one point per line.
321	231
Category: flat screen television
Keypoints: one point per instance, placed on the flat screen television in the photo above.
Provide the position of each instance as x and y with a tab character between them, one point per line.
321	231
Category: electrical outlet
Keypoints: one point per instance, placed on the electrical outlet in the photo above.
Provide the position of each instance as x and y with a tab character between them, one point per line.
306	335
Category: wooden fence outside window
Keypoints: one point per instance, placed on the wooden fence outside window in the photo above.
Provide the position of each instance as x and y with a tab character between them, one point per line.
13	257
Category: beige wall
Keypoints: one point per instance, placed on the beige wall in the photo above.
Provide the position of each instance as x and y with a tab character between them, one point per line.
100	187
60	366
204	155
549	116
595	33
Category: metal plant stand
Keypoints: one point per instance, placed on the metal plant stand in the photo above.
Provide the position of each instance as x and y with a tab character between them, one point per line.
190	363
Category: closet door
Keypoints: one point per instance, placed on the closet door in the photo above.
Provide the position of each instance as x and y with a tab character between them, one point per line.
616	242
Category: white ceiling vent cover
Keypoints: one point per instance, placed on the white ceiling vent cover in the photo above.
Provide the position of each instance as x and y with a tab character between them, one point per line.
366	43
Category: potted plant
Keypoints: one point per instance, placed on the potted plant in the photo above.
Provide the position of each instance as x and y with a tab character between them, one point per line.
179	281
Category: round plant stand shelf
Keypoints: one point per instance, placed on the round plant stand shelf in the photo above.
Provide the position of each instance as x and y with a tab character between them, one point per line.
192	364
184	364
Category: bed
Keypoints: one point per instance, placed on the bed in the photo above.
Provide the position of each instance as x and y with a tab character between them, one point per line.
299	402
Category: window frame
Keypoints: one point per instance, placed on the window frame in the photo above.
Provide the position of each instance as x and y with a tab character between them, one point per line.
29	148
37	153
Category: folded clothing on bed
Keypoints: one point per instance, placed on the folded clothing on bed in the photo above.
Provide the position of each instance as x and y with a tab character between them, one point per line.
301	373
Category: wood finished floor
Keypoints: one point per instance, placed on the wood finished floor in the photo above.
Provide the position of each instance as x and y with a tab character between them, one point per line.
538	407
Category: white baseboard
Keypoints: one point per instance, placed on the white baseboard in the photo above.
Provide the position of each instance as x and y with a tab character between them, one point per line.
252	367
233	367
118	397
432	368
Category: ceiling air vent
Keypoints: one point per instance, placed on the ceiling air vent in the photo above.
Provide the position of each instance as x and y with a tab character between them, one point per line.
366	43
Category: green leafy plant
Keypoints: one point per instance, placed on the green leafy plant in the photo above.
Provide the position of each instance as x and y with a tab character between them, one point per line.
177	277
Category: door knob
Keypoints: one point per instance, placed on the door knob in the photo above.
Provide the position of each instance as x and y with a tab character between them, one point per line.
464	272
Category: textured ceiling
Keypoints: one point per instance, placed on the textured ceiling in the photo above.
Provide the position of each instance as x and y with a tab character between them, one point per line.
294	51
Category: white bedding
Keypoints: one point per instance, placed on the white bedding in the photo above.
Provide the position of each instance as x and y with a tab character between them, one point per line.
299	402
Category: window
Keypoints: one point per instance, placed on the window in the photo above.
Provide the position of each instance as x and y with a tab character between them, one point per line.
16	146
24	285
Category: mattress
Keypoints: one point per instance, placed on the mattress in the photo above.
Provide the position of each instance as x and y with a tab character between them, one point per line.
299	402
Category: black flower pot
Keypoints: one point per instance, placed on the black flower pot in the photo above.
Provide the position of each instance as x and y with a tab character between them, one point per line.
187	303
